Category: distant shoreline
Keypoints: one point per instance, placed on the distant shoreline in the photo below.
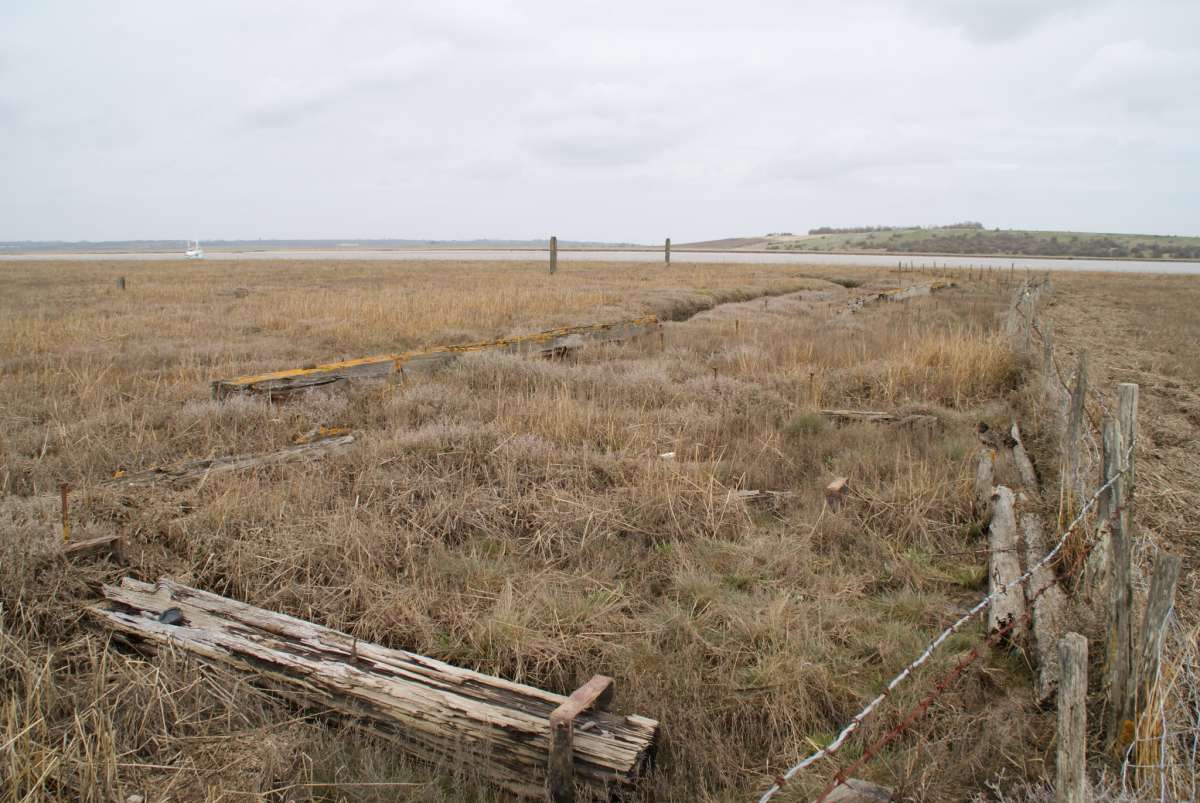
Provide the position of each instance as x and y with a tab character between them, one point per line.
531	249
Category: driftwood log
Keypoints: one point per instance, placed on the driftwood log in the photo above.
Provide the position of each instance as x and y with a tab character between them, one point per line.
280	384
1009	604
433	711
195	470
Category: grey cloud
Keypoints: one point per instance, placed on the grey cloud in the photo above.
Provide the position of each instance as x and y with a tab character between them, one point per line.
613	119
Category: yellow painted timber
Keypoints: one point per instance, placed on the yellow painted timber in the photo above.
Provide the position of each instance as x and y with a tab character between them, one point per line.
398	360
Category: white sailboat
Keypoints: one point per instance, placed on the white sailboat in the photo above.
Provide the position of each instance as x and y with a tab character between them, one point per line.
194	251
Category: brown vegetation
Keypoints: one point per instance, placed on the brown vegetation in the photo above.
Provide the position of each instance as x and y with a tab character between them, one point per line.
510	516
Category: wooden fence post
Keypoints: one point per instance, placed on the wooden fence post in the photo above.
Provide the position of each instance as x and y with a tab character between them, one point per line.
1158	606
553	254
1127	407
667	251
1074	437
120	282
560	780
1071	765
1121	690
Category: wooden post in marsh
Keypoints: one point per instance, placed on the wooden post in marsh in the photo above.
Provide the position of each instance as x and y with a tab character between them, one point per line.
1073	443
1127	406
65	489
1113	513
667	252
1070	776
120	282
553	254
1158	606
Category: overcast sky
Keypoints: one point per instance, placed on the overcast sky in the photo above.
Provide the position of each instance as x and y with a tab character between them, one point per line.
607	120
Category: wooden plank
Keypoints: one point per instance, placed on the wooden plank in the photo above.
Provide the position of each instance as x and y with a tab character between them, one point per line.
100	545
435	712
1005	567
195	470
1071	763
279	384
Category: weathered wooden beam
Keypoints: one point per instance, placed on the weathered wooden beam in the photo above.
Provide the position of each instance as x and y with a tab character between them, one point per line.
1021	458
280	384
560	778
437	713
195	470
984	487
1005	567
907	420
110	544
1070	771
1049	608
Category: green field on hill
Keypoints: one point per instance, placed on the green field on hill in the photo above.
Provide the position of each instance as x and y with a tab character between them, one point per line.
1015	242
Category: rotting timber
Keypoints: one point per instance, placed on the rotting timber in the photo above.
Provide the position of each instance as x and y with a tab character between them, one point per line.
435	712
279	384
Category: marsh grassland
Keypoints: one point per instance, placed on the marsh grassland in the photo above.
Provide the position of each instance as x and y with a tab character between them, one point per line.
514	516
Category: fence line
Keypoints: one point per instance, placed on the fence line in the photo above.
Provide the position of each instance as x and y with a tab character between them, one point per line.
856	722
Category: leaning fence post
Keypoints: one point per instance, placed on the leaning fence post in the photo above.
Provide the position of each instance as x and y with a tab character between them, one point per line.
1121	688
1070	785
1158	607
667	251
553	254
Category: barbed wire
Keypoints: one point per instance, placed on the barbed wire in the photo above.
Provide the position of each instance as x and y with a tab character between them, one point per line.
947	681
856	722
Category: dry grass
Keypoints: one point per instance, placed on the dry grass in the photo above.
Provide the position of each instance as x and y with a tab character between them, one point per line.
508	515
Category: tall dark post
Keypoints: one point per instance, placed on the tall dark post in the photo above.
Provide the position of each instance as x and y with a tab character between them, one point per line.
553	254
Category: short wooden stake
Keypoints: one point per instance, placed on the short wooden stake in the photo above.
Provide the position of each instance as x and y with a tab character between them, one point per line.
66	512
1121	689
553	254
120	282
560	780
1071	765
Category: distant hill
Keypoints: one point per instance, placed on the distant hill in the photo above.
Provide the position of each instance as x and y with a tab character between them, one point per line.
974	240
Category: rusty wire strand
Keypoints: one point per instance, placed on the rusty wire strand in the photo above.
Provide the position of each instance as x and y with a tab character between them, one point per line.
856	722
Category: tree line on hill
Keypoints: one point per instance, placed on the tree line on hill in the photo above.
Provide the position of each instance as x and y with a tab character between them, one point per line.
966	224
